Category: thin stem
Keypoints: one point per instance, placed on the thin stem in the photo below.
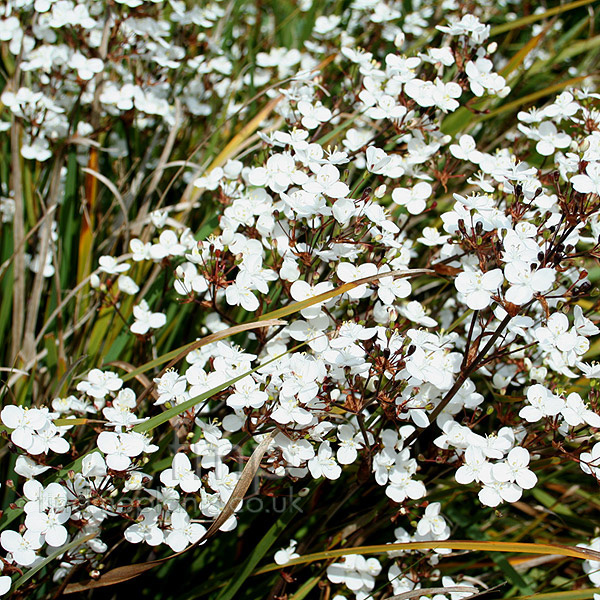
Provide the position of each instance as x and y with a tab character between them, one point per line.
464	375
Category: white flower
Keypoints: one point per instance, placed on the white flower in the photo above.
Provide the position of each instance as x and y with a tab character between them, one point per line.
515	468
39	150
28	468
432	522
301	290
127	285
167	245
22	547
475	467
481	77
350	442
140	250
181	474
247	395
145	319
390	288
285	555
212	447
313	331
415	312
294	452
402	485
110	265
86	67
169	387
5	582
326	181
146	529
313	115
564	107
430	236
543	403
466	149
550	139
183	532
348	272
119	448
47	512
576	412
590	461
240	292
356	572
100	383
289	410
93	465
324	464
278	174
24	422
495	492
525	282
478	287
590	182
414	199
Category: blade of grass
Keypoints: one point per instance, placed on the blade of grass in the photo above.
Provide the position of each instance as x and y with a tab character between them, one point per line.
531	97
265	544
569	595
432	591
175	355
517	60
179	353
307	587
158	420
519	548
29	574
529	19
342	289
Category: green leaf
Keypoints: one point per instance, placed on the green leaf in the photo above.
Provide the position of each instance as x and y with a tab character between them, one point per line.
265	544
158	420
487	546
529	19
29	574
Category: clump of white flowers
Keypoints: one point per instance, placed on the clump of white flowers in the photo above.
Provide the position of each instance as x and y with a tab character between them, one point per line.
444	306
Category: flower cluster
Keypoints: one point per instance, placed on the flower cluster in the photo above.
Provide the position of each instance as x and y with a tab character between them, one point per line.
419	299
